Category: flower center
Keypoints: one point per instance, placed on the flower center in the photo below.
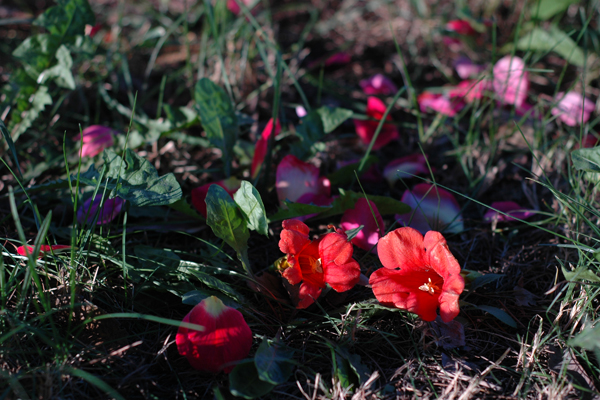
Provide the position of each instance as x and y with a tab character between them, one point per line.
429	287
314	264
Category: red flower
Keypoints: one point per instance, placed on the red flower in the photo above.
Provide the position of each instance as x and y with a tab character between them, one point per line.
372	227
315	263
260	151
225	339
420	274
231	185
366	128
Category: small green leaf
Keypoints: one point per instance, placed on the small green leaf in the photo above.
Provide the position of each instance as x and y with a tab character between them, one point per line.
588	339
226	219
484	280
67	19
500	314
273	362
296	210
546	9
250	202
344	373
217	284
245	382
357	372
38	102
353	232
553	39
580	274
333	117
217	117
310	131
586	159
61	72
37	53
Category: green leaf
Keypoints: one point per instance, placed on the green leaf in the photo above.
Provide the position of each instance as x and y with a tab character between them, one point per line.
333	117
586	159
588	339
345	175
353	232
67	19
218	118
217	284
153	258
310	132
500	314
226	219
61	72
184	207
249	201
553	39
484	280
546	9
351	367
36	53
580	274
273	362
38	102
296	210
344	373
245	382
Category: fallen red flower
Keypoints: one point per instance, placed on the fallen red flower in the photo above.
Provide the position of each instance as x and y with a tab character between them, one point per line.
315	263
226	337
420	274
56	248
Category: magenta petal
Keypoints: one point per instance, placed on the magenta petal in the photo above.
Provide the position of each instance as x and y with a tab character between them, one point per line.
295	178
572	108
95	139
361	215
508	207
466	69
110	209
378	85
405	167
433	209
511	80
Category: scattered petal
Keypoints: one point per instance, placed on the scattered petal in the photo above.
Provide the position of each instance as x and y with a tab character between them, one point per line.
366	128
225	339
433	208
260	151
572	108
465	68
378	85
461	26
109	210
361	214
508	207
439	103
511	80
295	178
405	168
95	139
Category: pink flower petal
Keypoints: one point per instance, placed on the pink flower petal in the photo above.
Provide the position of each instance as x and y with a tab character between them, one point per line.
470	90
508	207
366	128
466	69
439	103
433	209
378	85
405	168
511	80
461	26
95	139
572	108
295	178
361	215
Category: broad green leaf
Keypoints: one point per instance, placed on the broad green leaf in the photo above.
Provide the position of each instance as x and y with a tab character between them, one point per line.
344	372
553	39
588	339
500	314
353	361
38	101
546	9
152	258
249	201
310	131
67	19
61	72
184	207
217	117
345	175
587	159
580	274
484	280
333	117
37	53
245	382
273	362
226	219
217	284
